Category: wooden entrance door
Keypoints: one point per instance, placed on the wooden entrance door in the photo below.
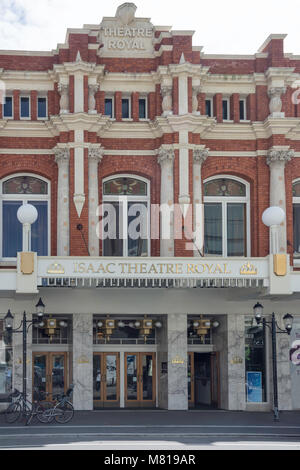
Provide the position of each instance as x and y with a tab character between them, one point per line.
140	380
106	380
204	379
50	373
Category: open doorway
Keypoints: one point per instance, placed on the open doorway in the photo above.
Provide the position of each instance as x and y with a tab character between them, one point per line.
204	381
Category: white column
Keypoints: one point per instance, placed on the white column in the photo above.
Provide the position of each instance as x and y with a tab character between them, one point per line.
277	159
62	158
166	160
184	180
200	156
95	157
83	361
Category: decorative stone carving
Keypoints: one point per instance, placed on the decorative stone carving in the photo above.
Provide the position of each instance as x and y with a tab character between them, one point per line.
92	101
284	156
62	156
167	103
200	155
64	98
196	91
166	156
126	13
96	154
275	99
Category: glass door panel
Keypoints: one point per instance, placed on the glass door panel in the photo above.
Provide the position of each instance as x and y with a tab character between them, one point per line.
106	380
39	375
50	374
97	389
140	373
112	377
147	370
132	377
58	365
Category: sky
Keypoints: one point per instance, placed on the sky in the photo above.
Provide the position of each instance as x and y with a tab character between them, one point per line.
221	27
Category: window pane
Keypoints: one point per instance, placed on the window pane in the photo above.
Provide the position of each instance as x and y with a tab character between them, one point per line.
213	229
6	364
242	110
236	233
296	189
108	108
125	186
255	360
12	229
39	230
208	108
225	110
42	107
25	108
142	109
8	107
113	246
125	109
225	187
25	185
137	229
296	210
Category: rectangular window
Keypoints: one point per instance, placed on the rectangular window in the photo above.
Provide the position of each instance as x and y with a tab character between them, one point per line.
109	107
209	108
143	108
226	110
8	107
213	229
296	216
6	364
125	109
39	230
12	234
236	229
25	107
255	361
243	110
42	108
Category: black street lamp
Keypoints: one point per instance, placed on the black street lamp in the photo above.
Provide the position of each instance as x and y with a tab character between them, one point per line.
275	329
24	328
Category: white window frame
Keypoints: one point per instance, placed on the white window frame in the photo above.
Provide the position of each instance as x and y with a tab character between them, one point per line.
224	200
37	105
227	99
29	98
9	95
244	100
125	200
145	98
112	98
211	106
24	198
129	98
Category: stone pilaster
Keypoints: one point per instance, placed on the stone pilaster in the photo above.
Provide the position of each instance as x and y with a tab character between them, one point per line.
18	356
283	368
200	156
177	362
62	158
277	159
95	157
166	160
236	368
83	361
64	98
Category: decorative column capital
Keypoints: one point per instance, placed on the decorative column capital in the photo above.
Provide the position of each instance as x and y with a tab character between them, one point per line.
200	156
62	156
166	156
275	94
279	156
96	154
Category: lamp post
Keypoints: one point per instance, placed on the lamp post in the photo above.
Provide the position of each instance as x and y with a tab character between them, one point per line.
23	329
274	328
273	217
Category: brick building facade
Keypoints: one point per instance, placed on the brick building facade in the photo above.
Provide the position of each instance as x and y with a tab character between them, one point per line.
125	105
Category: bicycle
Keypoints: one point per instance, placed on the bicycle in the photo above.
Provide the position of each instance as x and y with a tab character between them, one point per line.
21	407
62	411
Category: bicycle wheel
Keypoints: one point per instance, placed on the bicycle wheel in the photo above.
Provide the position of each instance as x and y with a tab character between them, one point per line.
64	412
13	413
44	413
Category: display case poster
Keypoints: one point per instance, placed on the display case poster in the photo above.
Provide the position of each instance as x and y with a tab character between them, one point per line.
254	387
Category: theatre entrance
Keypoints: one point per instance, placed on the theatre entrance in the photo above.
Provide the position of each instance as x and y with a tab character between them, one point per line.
204	380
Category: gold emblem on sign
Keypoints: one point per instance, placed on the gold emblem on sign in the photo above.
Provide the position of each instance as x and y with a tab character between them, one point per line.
56	268
177	360
248	269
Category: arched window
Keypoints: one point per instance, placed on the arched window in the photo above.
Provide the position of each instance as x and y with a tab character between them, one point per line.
227	217
126	216
296	217
15	191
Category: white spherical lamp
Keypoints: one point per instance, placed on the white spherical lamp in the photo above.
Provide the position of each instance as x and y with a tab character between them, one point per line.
273	216
27	214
